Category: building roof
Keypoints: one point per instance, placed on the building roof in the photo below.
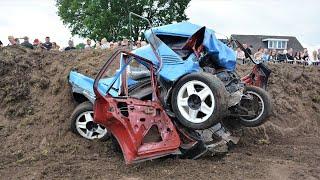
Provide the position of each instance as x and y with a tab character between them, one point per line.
258	40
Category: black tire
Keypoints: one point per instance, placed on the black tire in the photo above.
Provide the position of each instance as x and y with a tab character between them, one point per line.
219	93
81	108
267	107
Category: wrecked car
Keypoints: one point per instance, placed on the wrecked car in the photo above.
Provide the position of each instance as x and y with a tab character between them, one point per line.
173	96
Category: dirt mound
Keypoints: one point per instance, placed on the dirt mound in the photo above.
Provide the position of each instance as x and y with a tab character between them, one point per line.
31	76
295	96
36	103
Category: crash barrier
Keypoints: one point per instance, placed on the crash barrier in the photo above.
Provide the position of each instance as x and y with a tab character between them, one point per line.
300	62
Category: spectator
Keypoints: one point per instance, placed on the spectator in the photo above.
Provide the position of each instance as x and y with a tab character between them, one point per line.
297	56
112	45
248	50
1	44
98	45
70	47
133	45
273	55
55	46
319	54
265	55
282	56
26	43
36	44
17	41
11	41
88	45
138	44
315	55
124	42
47	45
116	44
104	43
258	55
240	54
290	54
305	55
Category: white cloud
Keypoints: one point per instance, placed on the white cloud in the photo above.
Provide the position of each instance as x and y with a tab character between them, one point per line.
269	17
34	18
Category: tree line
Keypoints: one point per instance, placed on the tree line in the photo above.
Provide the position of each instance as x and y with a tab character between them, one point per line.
97	19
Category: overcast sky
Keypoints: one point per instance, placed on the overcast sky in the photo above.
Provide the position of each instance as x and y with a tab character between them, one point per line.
38	18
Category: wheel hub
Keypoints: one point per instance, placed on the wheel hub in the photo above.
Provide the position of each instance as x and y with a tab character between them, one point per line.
91	126
194	102
87	128
253	102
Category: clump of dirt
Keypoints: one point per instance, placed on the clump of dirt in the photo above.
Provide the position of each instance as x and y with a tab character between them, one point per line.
36	103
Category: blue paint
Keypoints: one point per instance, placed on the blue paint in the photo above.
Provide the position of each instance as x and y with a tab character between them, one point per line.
173	66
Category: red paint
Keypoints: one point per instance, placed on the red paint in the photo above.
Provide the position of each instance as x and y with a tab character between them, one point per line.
256	78
130	128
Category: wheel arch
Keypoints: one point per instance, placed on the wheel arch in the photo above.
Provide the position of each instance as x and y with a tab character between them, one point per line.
79	98
168	100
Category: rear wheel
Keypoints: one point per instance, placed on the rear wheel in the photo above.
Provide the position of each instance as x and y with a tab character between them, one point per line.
257	102
83	125
199	100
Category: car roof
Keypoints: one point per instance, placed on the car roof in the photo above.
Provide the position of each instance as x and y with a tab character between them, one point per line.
182	29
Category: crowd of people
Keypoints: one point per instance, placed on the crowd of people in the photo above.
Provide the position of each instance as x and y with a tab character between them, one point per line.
48	45
104	44
262	54
273	55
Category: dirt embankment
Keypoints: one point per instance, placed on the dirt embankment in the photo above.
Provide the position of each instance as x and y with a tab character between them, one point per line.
35	106
295	92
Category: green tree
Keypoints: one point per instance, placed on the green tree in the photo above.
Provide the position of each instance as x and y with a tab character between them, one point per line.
96	19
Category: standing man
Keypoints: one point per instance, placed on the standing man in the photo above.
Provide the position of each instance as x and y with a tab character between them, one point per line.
248	50
290	54
70	47
258	55
265	55
88	45
12	42
26	43
240	54
47	45
305	55
36	44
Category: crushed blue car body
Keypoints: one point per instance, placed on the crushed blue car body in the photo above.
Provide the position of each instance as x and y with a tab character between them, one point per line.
226	56
173	66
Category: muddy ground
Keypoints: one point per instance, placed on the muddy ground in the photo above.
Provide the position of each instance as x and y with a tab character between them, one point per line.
36	142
